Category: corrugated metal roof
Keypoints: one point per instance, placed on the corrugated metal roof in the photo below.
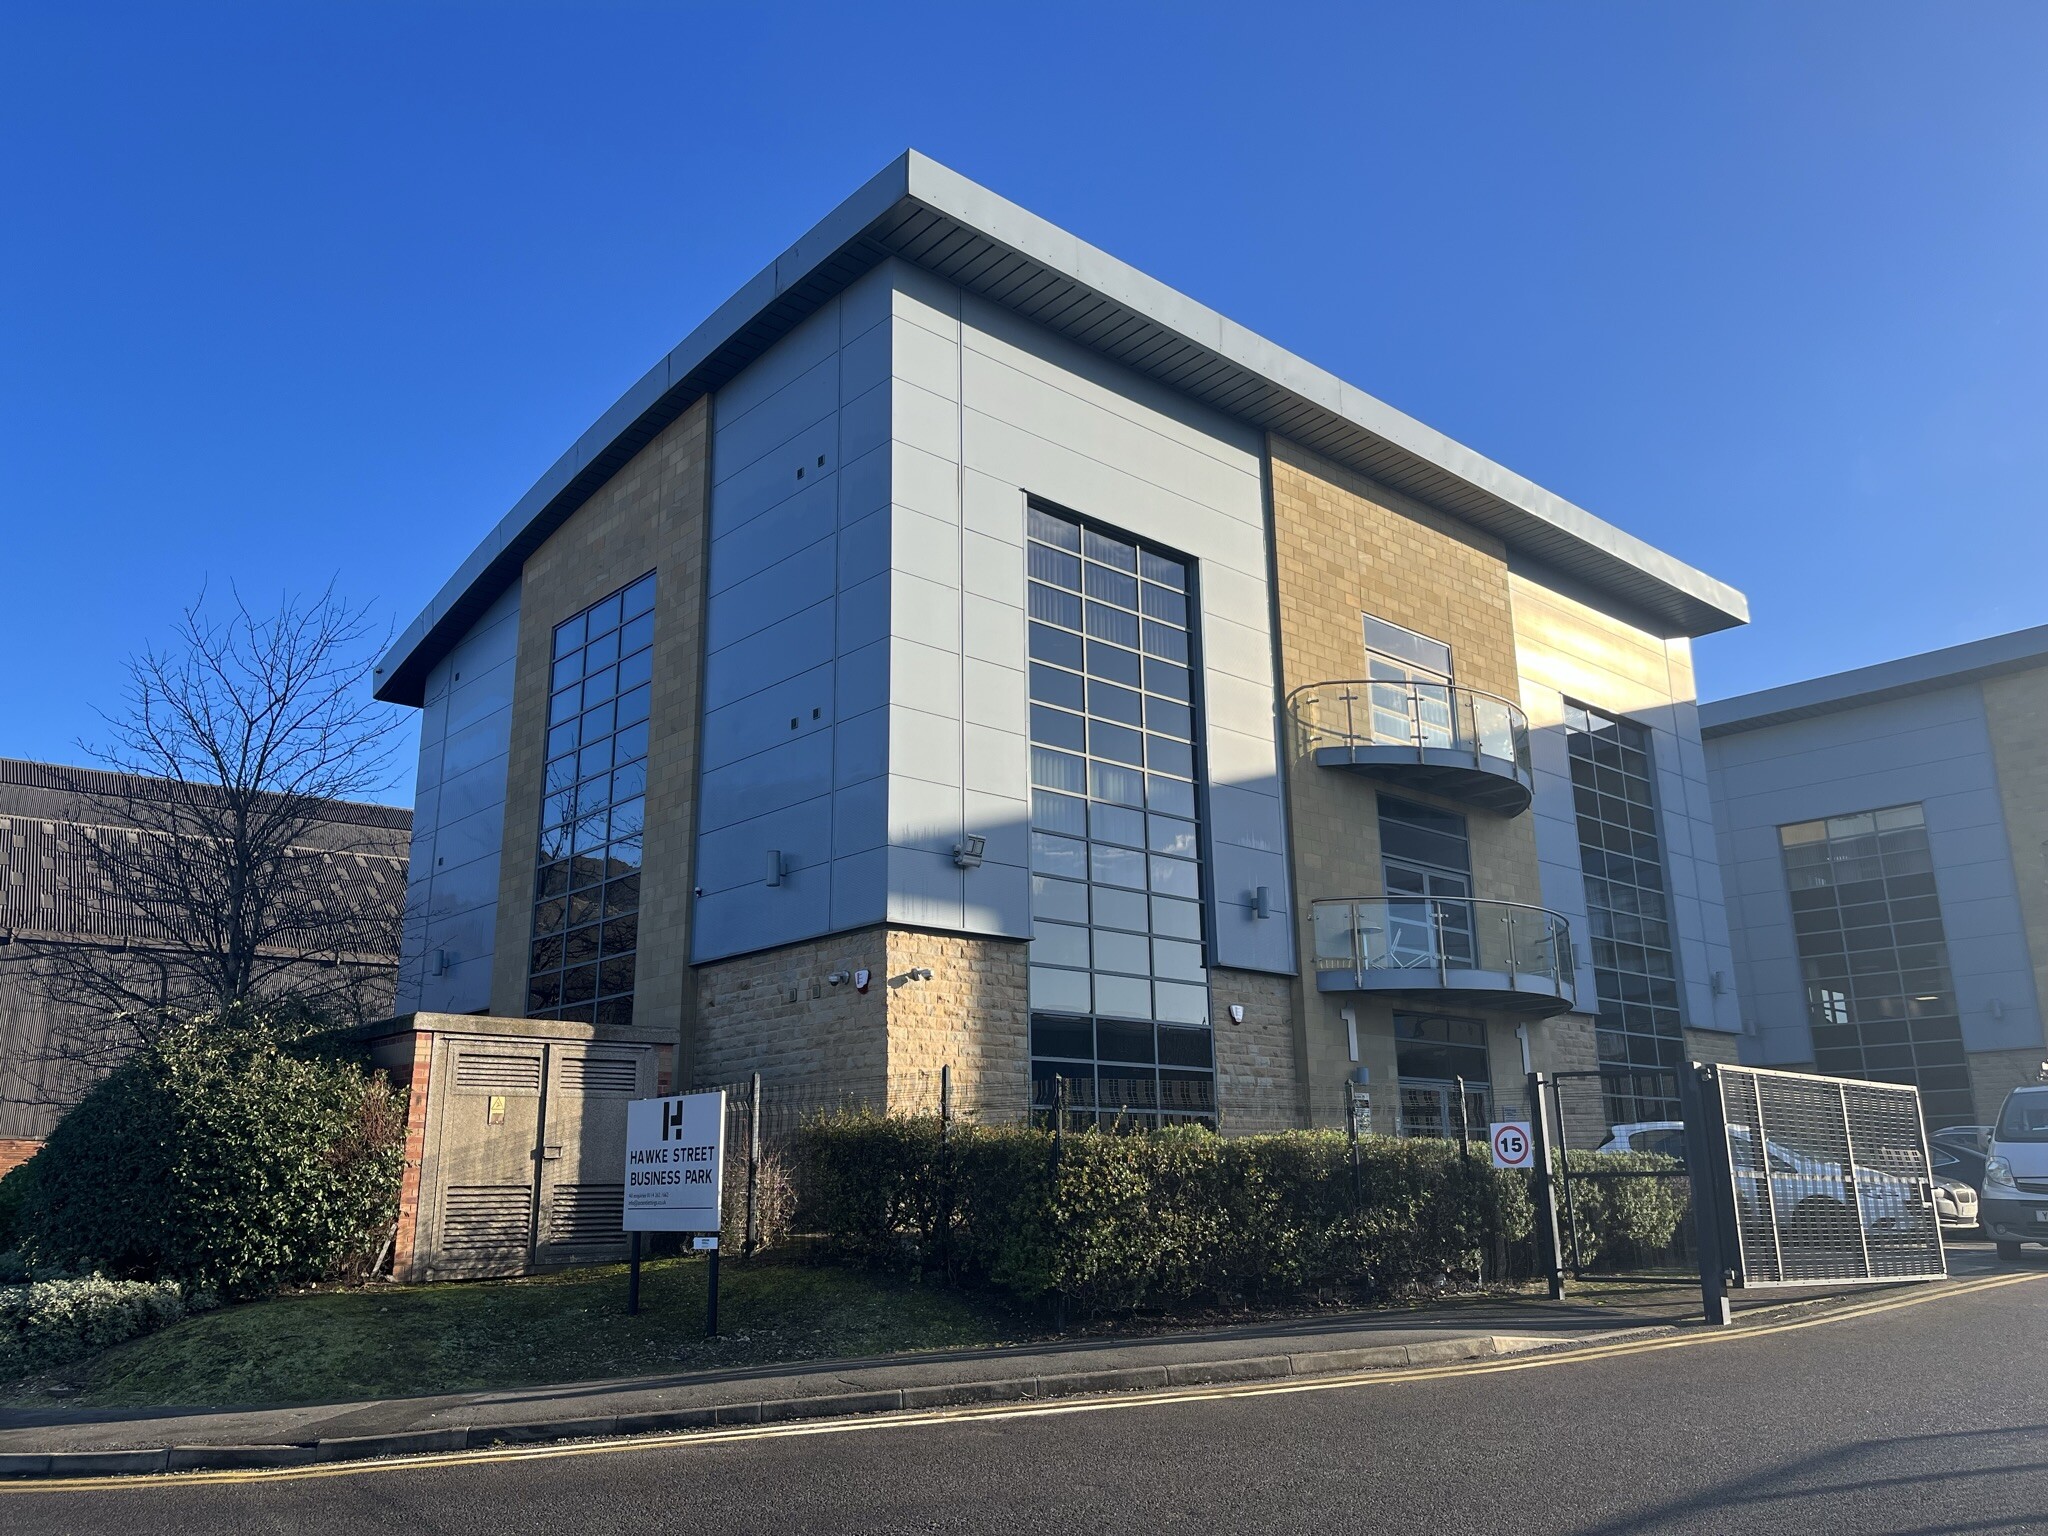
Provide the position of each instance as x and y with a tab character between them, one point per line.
922	212
54	880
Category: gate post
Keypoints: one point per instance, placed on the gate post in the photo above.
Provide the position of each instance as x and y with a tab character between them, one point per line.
1699	1104
750	1239
1548	1247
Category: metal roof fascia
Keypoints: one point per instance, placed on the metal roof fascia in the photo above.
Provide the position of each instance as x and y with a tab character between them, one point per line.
399	676
916	177
1928	672
951	193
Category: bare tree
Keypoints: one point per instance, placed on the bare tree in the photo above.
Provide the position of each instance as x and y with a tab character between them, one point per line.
220	869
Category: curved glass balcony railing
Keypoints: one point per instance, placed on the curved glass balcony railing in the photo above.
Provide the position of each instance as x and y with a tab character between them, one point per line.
1438	737
1498	954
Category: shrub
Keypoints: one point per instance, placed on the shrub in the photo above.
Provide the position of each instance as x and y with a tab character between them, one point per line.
222	1157
51	1322
1159	1218
1625	1222
13	1196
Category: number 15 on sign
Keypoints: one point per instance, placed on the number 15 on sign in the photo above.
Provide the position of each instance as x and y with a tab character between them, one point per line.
1513	1146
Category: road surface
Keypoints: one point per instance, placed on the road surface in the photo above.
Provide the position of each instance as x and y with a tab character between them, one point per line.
1931	1416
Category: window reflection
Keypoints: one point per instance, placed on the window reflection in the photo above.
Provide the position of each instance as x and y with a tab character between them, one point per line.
580	963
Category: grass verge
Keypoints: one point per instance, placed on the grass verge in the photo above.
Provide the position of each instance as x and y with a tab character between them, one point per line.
398	1341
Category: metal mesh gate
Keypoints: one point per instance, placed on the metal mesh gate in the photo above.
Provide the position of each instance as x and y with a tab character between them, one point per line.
1825	1179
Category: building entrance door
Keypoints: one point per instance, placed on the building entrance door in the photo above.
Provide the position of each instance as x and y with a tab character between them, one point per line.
1431	1109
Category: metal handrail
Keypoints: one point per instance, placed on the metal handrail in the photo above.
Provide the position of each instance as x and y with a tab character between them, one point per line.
1473	721
1377	934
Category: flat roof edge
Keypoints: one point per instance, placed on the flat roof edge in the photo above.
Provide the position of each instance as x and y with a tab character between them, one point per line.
1687	599
400	674
1927	672
947	191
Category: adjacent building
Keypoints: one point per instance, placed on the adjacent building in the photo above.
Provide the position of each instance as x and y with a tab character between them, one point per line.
1884	844
62	901
965	651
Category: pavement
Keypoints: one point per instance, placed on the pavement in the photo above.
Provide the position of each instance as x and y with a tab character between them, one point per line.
56	1441
1907	1412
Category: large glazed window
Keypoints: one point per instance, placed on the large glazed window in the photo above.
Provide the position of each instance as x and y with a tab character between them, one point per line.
1119	981
586	924
1641	1038
1880	998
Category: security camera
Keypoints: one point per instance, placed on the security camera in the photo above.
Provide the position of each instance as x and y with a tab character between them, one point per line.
838	978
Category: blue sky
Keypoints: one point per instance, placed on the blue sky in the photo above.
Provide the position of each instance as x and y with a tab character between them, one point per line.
312	292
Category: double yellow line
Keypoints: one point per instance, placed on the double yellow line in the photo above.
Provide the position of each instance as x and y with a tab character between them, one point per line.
975	1415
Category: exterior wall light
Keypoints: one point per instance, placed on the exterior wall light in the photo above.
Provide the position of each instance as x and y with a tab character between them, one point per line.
968	851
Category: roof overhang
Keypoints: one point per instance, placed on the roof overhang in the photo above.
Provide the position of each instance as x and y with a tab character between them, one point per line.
924	213
1929	672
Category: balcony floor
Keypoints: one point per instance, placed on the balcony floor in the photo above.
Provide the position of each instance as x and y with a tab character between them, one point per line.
1526	992
1487	783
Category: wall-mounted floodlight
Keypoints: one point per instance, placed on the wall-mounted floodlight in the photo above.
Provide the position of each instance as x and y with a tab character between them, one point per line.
968	851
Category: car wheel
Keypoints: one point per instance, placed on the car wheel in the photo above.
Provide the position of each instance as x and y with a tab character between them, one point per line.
2008	1250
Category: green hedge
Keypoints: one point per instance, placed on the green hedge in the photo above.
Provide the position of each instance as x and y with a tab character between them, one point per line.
224	1157
1624	1223
52	1322
14	1187
1160	1218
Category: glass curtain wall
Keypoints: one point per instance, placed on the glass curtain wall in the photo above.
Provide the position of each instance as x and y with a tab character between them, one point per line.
1880	996
593	812
1119	984
1640	1035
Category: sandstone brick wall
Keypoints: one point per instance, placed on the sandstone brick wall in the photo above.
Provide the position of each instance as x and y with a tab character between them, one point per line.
651	515
776	1013
1712	1045
1566	1043
1258	1074
973	1015
1344	547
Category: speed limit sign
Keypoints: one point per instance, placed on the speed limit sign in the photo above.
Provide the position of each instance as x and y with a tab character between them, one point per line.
1513	1147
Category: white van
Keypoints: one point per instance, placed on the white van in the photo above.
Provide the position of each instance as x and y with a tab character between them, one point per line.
2015	1208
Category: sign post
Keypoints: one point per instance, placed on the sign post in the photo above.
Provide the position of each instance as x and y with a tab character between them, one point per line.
675	1167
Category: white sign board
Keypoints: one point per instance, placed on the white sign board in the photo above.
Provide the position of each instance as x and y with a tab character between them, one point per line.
1513	1146
675	1163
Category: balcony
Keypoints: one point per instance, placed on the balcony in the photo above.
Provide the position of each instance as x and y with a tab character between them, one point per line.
1477	954
1456	742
